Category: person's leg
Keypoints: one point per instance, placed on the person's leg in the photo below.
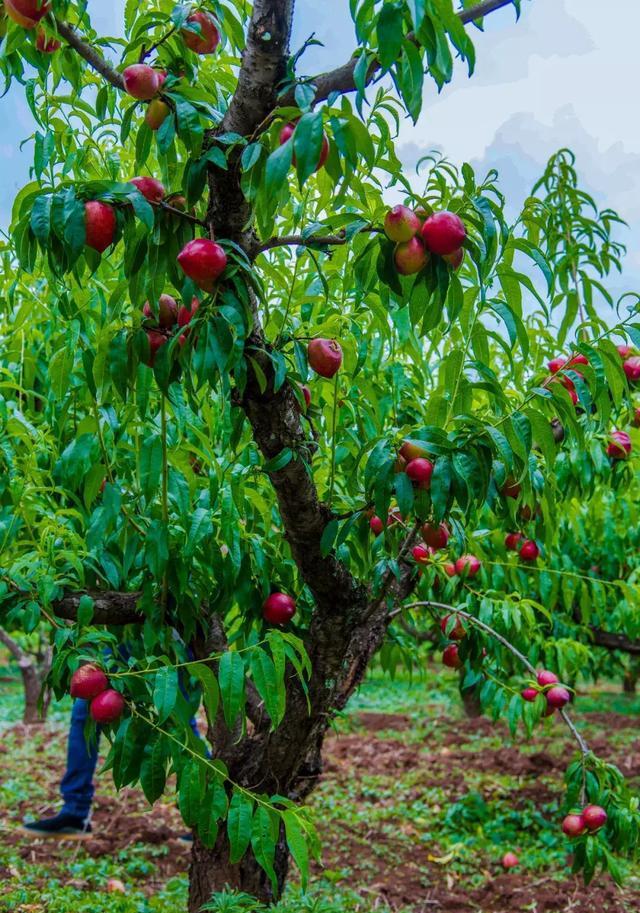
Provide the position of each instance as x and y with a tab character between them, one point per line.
77	783
77	787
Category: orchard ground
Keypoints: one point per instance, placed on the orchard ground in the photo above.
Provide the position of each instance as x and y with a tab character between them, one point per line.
417	806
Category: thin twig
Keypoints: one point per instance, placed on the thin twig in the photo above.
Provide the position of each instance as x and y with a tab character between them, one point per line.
93	57
584	748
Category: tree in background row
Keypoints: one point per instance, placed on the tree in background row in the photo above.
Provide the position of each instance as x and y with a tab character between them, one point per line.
246	403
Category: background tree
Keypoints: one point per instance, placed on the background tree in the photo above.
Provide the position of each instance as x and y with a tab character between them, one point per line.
187	448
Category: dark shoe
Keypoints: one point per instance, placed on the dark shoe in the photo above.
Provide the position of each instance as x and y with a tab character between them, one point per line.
61	827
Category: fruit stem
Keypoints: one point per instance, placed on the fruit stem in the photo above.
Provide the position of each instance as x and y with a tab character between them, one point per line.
147	53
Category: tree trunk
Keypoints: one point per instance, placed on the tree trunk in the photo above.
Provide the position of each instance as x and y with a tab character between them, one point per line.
630	681
35	710
34	670
471	702
211	871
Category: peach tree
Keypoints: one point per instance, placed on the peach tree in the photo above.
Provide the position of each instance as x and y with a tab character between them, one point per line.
257	425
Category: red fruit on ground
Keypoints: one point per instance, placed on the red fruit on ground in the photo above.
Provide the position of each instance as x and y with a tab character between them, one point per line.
512	541
377	526
444	233
115	886
421	555
436	536
206	37
469	564
529	694
620	446
204	261
45	44
27	13
450	657
150	188
325	357
510	861
458	630
278	609
401	224
141	81
157	113
511	488
547	678
100	224
88	682
594	817
420	472
185	316
156	341
107	707
573	825
166	312
631	368
557	697
529	551
410	257
287	132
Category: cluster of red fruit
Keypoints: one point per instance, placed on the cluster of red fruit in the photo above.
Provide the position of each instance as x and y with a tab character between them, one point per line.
417	235
619	447
588	821
555	694
28	14
163	323
90	683
526	548
201	260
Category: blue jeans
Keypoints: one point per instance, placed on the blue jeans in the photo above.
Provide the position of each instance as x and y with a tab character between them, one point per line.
77	783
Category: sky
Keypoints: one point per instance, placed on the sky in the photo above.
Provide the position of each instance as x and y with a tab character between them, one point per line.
561	76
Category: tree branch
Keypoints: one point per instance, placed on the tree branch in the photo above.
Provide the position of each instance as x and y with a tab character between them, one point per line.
615	641
93	57
342	78
12	646
584	748
299	241
109	608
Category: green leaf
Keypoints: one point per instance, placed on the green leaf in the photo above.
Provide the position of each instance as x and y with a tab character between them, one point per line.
297	843
264	836
153	772
191	791
239	825
165	692
390	32
151	465
210	689
270	689
232	685
277	169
